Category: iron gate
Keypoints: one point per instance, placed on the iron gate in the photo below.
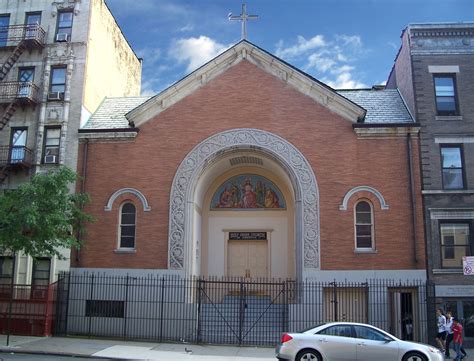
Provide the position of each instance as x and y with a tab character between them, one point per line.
242	311
232	311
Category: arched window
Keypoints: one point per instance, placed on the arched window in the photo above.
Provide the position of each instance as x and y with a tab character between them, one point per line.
364	226
128	222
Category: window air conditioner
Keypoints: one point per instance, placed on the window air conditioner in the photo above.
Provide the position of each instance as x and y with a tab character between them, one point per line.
55	95
62	37
49	159
38	294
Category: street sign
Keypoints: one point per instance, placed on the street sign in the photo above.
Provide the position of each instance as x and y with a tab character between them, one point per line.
468	266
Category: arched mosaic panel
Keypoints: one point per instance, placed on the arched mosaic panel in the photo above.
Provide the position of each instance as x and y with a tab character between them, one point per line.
247	192
201	156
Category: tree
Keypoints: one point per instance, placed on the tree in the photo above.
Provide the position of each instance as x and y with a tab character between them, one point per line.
42	216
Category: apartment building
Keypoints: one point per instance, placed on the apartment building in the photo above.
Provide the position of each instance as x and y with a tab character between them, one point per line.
434	70
59	59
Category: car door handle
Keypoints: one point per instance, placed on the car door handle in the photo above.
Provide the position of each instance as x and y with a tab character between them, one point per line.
322	340
361	344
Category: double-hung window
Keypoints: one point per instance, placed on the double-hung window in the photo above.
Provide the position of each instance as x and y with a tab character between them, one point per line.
4	27
25	79
18	145
127	226
455	243
364	226
64	28
445	92
57	85
32	22
51	145
452	167
6	270
41	271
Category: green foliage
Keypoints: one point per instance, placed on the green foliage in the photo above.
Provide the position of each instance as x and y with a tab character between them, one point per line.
42	215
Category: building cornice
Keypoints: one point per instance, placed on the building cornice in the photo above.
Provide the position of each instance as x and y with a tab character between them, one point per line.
385	130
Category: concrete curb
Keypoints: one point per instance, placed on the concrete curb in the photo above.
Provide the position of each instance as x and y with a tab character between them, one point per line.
60	354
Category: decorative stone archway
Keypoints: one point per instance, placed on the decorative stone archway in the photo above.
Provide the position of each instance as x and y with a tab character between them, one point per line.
204	154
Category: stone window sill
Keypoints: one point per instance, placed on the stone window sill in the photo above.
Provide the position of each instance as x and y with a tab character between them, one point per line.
448	117
125	250
440	271
364	251
447	191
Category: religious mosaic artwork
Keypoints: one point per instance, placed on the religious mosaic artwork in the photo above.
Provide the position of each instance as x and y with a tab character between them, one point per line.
248	191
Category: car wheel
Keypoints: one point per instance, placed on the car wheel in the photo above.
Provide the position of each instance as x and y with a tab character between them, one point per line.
308	355
414	356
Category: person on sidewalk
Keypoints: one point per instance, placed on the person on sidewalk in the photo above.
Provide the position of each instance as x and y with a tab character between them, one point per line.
449	332
441	335
457	338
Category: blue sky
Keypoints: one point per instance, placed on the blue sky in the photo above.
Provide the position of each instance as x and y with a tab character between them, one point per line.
344	43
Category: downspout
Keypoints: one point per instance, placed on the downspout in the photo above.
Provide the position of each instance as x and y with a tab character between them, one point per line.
83	190
412	195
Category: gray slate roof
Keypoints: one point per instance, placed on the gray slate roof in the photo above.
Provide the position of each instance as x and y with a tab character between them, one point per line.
383	106
111	113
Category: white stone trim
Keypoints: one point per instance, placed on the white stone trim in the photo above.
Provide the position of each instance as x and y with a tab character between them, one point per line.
386	132
454	139
107	135
443	68
133	191
383	205
245	51
201	156
451	213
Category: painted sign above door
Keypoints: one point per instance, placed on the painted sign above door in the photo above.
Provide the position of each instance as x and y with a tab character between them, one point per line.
248	192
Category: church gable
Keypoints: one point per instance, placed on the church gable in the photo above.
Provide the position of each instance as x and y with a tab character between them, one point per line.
245	51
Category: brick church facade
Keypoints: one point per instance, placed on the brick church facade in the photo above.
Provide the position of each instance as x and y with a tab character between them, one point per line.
246	113
249	169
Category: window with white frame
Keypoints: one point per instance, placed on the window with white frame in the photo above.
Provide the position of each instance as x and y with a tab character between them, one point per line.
127	229
41	271
64	26
364	226
445	91
452	166
6	270
455	243
52	137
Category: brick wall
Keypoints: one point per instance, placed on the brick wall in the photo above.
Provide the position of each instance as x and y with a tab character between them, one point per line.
245	96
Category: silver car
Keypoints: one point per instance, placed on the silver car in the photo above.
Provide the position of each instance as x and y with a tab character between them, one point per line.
347	341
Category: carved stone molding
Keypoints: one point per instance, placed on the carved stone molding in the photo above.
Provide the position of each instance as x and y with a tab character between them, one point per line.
383	205
61	5
290	158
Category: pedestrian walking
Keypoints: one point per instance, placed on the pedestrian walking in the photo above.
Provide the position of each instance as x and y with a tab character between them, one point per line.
441	325
449	332
457	338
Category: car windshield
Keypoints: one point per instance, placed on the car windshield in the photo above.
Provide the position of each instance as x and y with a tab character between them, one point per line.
312	327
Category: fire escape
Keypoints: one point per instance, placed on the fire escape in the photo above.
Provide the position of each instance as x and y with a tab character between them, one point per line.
14	40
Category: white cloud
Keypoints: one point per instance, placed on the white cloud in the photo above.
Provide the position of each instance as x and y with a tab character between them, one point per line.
322	64
186	28
351	40
301	47
331	60
344	81
195	51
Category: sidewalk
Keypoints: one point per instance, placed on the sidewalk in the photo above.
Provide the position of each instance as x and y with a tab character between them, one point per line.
128	350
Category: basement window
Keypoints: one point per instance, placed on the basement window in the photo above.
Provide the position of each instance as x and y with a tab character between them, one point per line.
105	308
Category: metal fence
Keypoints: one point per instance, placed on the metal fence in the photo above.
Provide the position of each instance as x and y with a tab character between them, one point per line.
27	309
232	311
